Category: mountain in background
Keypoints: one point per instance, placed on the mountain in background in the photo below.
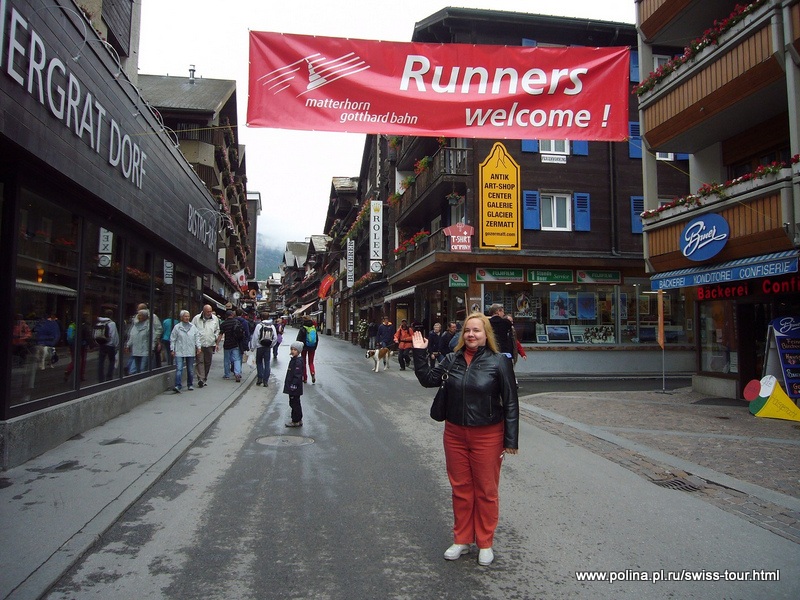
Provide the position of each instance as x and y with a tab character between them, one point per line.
268	261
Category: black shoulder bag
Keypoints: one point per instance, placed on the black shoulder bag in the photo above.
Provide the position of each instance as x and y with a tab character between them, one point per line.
439	406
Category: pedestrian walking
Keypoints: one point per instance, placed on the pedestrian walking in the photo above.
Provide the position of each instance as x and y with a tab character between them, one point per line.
481	427
372	334
263	340
434	337
308	335
503	330
138	344
106	336
293	384
207	324
280	327
233	332
446	338
403	339
185	343
385	333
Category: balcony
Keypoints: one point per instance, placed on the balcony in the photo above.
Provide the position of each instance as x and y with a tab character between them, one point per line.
755	210
727	88
676	22
450	169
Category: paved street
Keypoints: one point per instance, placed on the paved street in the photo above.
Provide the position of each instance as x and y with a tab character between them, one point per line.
356	503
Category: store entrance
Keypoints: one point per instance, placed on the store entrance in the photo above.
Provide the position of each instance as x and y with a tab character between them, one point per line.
753	319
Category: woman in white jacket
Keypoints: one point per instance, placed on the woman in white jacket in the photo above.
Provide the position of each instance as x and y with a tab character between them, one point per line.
185	343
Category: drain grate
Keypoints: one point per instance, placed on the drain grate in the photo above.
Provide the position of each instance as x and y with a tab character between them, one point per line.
285	440
677	483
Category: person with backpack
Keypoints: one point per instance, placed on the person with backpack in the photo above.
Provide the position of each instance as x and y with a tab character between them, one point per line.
403	339
233	332
106	336
263	340
308	335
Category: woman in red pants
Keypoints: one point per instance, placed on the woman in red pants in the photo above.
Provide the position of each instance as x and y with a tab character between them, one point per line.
481	427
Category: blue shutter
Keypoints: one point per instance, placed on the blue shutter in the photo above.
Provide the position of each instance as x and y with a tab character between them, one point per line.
680	156
634	66
530	210
637	208
634	140
580	148
527	42
530	145
583	215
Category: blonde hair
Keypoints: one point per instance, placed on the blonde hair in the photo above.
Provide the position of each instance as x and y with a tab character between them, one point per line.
491	342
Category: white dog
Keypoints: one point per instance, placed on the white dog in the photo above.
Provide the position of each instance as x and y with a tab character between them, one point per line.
382	354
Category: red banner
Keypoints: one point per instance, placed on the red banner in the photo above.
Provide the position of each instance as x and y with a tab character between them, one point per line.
457	90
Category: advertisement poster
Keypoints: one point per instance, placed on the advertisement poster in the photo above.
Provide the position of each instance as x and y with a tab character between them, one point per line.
784	337
559	305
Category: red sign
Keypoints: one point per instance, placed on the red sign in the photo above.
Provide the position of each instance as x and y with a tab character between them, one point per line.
457	90
325	286
460	237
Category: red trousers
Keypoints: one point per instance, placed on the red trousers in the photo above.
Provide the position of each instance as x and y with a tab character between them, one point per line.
474	456
308	362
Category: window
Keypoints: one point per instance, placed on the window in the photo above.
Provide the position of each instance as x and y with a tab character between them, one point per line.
555	212
554	146
665	156
659	60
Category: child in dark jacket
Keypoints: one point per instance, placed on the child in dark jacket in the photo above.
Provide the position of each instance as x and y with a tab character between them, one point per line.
293	384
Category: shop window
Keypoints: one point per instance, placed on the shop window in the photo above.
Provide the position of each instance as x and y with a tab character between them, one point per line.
103	259
140	331
45	298
718	337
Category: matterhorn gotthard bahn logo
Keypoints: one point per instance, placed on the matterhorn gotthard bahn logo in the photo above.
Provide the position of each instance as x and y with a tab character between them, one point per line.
459	90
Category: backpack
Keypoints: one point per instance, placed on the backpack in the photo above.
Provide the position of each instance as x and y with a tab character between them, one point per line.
71	333
100	333
311	336
265	338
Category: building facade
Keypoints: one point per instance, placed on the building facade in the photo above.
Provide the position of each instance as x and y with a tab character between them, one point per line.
726	91
574	281
101	213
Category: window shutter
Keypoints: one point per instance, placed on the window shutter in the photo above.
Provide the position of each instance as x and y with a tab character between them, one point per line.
580	148
634	140
530	145
530	210
637	208
527	42
583	216
681	156
634	66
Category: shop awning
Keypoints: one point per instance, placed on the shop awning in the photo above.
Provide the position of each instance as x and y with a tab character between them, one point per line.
212	301
400	294
46	288
302	309
766	265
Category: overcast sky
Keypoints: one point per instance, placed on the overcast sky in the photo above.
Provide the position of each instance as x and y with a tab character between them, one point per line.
293	169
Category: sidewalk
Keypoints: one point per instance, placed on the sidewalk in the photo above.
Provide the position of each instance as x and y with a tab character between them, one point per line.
55	507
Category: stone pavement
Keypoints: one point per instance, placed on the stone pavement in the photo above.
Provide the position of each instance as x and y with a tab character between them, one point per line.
713	447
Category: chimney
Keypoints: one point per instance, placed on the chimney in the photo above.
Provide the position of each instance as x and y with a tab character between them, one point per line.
191	73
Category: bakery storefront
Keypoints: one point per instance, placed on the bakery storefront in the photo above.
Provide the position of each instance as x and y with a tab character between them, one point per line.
100	213
736	302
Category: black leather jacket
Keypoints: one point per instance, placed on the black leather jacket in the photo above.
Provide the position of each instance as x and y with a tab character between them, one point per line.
483	393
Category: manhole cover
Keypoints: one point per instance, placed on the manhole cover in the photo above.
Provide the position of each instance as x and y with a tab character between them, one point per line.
678	484
284	440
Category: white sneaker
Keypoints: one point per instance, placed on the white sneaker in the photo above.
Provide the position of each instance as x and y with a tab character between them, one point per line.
455	551
485	557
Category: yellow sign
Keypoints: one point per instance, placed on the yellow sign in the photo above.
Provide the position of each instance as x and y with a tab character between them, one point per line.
500	201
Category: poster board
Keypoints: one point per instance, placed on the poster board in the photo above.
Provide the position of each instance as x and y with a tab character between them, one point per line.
782	355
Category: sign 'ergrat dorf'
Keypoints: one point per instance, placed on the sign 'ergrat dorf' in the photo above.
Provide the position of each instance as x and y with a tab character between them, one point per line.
458	90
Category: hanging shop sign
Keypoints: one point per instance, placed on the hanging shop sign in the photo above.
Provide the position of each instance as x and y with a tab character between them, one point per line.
376	237
399	88
599	276
351	263
458	280
460	237
704	237
500	275
549	276
499	198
